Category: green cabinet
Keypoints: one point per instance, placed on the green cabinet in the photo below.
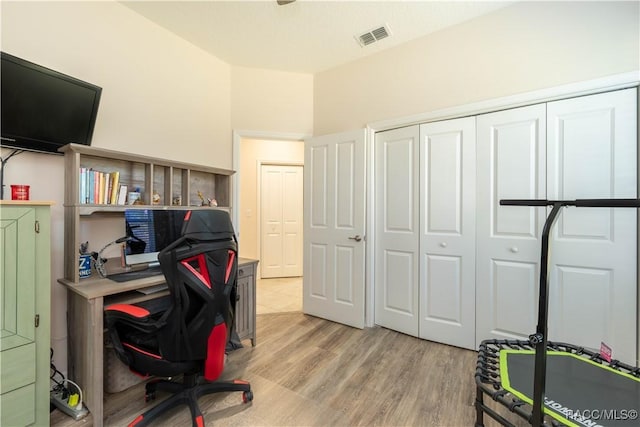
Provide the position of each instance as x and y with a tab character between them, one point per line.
25	281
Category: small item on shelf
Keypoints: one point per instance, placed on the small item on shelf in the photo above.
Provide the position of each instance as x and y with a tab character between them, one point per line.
100	261
155	200
84	248
84	265
19	192
133	196
84	261
207	201
177	200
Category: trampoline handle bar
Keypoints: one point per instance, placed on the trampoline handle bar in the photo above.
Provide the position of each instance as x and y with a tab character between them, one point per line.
539	339
590	203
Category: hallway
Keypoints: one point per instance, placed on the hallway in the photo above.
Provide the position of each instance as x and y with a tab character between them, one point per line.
280	295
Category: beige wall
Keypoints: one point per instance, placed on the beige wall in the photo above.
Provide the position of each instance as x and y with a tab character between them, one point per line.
161	96
520	48
268	100
165	97
253	152
147	104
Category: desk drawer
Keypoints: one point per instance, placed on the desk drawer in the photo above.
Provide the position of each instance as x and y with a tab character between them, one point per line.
245	270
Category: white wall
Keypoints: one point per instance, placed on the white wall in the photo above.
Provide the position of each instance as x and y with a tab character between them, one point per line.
161	96
266	100
521	48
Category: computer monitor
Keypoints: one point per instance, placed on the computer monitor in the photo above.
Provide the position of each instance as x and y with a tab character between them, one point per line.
150	231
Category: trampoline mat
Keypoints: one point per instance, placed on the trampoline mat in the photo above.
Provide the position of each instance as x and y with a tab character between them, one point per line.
578	391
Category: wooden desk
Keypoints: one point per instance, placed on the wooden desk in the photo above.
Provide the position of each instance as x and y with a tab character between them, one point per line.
85	324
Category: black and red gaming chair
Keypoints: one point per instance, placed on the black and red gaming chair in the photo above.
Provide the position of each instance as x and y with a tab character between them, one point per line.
187	331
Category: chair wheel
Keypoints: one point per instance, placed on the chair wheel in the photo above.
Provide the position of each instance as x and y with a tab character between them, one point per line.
150	391
247	396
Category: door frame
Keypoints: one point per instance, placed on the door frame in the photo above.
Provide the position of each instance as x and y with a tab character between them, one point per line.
237	136
259	165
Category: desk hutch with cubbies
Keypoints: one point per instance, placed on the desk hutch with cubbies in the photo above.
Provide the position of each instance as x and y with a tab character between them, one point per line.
162	184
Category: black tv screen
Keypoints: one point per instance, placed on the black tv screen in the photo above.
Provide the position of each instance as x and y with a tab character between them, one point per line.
43	109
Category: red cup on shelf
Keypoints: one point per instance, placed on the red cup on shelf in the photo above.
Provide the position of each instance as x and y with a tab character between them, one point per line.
20	192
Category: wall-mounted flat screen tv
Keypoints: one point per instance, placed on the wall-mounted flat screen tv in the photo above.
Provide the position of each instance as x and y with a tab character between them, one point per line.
43	109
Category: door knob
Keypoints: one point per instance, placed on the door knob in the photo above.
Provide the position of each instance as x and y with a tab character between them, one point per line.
443	244
514	249
357	238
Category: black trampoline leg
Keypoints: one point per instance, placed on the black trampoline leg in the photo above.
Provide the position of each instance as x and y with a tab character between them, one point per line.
479	406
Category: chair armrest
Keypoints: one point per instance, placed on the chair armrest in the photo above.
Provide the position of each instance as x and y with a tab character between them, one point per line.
131	310
134	316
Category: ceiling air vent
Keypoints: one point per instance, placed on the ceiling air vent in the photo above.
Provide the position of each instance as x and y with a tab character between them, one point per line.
374	35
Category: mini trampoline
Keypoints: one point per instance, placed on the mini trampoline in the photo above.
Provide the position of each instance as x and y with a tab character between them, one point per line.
580	387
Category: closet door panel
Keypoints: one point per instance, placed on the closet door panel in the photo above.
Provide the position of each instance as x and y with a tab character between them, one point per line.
511	159
396	218
592	153
447	232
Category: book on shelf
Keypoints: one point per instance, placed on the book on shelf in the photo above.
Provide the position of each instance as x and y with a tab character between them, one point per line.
115	186
122	194
82	187
98	187
91	186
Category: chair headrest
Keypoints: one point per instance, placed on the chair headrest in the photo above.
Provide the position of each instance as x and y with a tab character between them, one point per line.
207	224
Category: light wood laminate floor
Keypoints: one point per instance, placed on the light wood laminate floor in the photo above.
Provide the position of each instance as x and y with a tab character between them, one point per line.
307	371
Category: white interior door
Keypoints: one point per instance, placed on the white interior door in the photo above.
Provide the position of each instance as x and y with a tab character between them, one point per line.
447	232
281	221
334	225
397	229
592	153
511	153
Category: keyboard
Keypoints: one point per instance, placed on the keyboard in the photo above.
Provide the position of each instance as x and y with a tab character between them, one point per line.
153	289
133	275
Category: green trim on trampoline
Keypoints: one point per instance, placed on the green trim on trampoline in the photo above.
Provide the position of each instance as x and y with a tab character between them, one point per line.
504	379
506	384
563	353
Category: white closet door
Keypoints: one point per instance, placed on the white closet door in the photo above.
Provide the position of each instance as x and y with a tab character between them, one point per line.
592	153
397	229
281	221
447	232
511	154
